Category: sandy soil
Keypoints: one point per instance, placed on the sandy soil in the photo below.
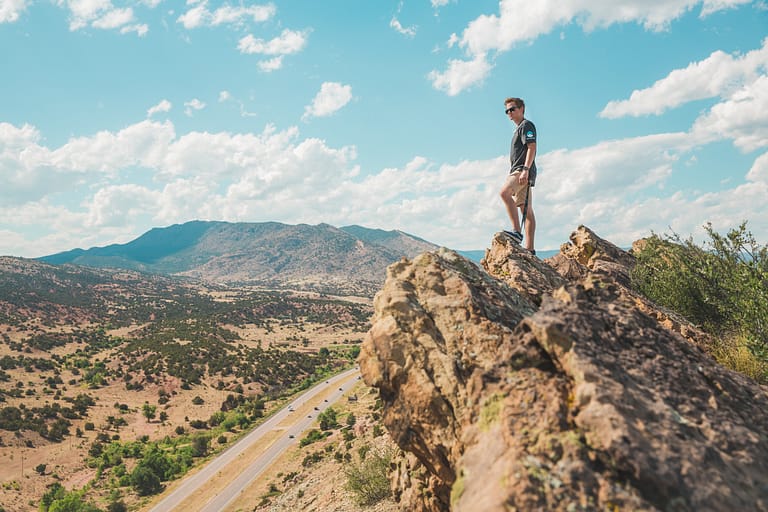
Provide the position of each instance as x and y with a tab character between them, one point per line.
20	453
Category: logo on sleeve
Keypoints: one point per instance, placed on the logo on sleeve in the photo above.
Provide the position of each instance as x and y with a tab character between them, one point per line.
529	134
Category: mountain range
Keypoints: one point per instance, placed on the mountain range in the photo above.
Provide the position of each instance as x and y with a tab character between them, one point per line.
350	259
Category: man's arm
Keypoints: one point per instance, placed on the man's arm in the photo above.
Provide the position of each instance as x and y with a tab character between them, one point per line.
530	155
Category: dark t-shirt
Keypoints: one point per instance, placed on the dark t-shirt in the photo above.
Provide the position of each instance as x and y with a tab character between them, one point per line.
525	133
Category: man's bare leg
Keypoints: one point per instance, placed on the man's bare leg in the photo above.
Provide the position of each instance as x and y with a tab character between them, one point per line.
509	202
530	227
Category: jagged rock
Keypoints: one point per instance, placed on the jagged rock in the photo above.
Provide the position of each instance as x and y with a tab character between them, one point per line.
517	267
584	403
598	255
587	253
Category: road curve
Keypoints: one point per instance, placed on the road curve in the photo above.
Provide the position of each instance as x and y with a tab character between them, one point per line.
339	384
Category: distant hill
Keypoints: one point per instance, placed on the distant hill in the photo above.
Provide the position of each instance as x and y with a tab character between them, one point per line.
351	259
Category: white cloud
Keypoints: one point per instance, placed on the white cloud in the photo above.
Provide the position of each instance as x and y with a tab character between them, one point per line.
224	96
195	17
461	74
141	29
106	153
720	74
201	16
227	14
406	31
440	3
83	12
103	15
288	42
743	117
10	10
272	64
192	105
114	18
331	97
114	205
163	106
759	171
522	20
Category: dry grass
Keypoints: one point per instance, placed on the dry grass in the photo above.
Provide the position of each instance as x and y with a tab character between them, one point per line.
733	352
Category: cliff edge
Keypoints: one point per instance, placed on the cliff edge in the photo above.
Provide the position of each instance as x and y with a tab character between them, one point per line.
550	385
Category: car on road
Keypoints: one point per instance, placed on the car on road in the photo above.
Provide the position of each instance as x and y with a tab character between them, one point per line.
317	408
291	436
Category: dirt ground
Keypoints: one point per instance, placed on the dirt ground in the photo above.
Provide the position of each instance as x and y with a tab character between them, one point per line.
21	453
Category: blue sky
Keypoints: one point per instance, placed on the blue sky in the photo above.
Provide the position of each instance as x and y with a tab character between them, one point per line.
117	117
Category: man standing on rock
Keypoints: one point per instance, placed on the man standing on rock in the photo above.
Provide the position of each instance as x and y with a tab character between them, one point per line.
516	192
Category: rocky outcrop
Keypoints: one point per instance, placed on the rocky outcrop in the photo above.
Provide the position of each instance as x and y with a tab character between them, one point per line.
544	386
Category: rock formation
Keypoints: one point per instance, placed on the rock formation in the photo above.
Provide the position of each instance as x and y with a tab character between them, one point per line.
550	385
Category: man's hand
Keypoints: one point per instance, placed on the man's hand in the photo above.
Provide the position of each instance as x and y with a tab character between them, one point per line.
523	177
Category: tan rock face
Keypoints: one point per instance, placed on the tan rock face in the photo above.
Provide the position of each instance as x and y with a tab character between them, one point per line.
529	392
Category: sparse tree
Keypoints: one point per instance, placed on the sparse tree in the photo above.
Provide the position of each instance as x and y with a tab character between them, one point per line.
149	411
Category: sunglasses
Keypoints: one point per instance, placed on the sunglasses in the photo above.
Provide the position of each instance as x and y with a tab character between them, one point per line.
510	109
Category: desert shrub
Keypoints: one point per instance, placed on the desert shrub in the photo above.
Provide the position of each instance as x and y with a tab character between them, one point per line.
328	419
216	418
198	424
117	506
311	459
149	411
368	480
159	462
145	482
313	436
57	499
200	445
722	287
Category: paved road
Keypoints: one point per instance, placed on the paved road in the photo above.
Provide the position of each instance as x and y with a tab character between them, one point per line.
338	384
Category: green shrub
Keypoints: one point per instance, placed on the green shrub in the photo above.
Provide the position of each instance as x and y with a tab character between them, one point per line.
57	499
313	436
722	287
328	419
368	480
117	506
200	445
145	482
